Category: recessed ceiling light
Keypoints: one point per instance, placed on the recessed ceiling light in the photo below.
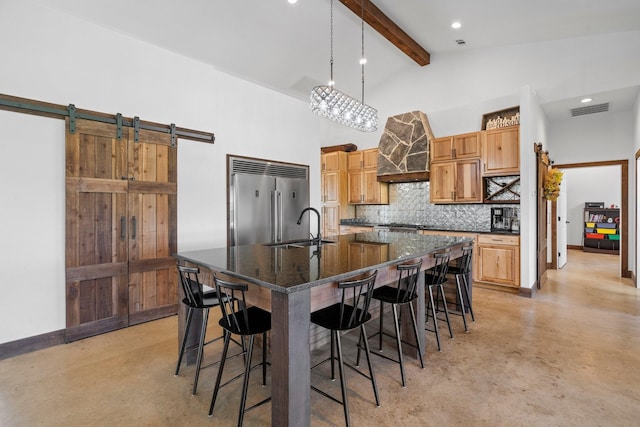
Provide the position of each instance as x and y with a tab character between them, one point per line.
292	1
585	100
456	25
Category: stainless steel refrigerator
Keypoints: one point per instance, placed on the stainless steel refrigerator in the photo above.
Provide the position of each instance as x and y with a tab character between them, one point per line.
266	199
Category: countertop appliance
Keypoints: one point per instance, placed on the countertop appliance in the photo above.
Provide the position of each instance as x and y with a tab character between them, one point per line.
504	219
265	201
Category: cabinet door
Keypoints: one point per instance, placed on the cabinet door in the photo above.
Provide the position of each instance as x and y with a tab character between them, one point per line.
502	151
355	187
331	220
372	189
330	162
330	187
466	145
355	161
442	186
370	158
499	264
441	149
468	181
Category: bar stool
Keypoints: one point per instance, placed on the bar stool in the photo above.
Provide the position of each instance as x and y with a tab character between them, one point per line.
461	272
195	299
238	319
346	317
404	293
435	278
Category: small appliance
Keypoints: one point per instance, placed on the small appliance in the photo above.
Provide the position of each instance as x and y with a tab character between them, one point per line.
503	219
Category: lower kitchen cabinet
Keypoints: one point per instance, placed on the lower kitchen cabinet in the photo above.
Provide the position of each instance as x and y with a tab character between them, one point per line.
499	260
474	260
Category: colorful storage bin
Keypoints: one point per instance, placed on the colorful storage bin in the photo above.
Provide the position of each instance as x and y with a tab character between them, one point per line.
606	230
606	225
591	224
613	237
588	229
594	236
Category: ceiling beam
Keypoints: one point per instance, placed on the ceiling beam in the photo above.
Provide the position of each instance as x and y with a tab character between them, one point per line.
389	30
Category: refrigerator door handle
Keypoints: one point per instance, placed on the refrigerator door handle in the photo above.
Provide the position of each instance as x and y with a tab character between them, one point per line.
274	216
280	215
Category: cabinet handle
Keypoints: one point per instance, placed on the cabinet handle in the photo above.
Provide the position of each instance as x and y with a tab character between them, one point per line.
452	196
454	153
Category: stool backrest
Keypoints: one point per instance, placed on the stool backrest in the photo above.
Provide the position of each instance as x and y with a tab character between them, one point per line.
465	260
359	292
191	286
407	281
439	271
233	303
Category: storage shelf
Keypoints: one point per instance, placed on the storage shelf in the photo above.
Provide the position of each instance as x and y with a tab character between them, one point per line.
600	235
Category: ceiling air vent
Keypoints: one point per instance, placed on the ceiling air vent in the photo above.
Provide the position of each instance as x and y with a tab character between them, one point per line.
590	109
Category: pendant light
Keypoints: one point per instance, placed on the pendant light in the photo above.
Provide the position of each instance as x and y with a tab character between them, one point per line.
328	102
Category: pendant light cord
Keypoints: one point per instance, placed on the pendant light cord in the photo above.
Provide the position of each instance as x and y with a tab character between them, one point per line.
362	33
331	83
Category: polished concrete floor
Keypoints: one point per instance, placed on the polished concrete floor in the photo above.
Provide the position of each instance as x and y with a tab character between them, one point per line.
568	357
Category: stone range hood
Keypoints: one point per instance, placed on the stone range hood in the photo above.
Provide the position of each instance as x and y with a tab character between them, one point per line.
403	151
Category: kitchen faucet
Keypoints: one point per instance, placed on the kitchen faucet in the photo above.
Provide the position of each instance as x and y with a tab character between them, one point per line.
318	237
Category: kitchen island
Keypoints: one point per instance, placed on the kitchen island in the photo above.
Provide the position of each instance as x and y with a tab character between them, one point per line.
293	280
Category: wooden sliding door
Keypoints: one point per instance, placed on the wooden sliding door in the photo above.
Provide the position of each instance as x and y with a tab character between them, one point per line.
120	228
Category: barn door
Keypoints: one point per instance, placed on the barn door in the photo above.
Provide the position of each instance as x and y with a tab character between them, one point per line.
152	216
96	230
542	161
120	228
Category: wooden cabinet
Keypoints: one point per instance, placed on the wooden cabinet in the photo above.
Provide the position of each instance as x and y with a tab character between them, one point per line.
499	259
456	182
602	230
364	254
463	146
334	192
363	185
501	151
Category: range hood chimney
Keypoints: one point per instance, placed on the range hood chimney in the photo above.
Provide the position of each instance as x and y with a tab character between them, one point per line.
403	151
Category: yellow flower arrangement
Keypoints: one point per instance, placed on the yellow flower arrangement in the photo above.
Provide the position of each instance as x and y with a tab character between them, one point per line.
551	185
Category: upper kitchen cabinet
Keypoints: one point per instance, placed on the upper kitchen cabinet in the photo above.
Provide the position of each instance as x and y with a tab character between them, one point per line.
464	146
456	182
501	151
363	187
334	192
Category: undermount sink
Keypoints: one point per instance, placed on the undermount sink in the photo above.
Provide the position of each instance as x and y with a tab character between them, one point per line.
297	244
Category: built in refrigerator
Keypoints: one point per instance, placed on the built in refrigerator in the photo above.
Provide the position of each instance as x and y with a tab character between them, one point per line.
265	201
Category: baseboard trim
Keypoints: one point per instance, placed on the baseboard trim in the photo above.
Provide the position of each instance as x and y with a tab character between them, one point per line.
29	344
528	292
578	247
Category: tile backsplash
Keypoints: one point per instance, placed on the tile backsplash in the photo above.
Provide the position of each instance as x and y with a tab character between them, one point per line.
409	204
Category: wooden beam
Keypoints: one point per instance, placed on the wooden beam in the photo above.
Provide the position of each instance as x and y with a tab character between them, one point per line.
389	30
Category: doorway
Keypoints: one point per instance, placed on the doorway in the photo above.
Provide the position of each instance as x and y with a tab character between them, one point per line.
624	202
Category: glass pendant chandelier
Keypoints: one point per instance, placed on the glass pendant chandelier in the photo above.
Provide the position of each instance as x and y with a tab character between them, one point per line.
332	104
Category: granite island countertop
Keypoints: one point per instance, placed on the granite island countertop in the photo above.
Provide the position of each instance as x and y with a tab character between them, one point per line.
291	269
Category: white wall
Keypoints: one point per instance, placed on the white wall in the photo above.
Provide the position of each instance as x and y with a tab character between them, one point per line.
591	184
57	58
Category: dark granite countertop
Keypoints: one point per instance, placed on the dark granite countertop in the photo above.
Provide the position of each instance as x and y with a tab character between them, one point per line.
293	269
359	223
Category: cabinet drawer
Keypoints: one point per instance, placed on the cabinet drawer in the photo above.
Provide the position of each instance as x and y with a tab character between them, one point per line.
498	239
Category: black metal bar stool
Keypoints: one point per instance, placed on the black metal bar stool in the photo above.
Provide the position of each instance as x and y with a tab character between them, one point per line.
404	293
435	278
238	319
195	299
461	272
346	317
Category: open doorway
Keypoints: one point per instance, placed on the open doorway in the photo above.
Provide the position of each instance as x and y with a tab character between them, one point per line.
621	188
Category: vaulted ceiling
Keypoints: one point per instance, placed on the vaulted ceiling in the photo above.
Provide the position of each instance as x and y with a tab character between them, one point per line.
286	47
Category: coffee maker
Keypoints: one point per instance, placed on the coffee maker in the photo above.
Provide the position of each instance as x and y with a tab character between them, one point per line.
502	218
